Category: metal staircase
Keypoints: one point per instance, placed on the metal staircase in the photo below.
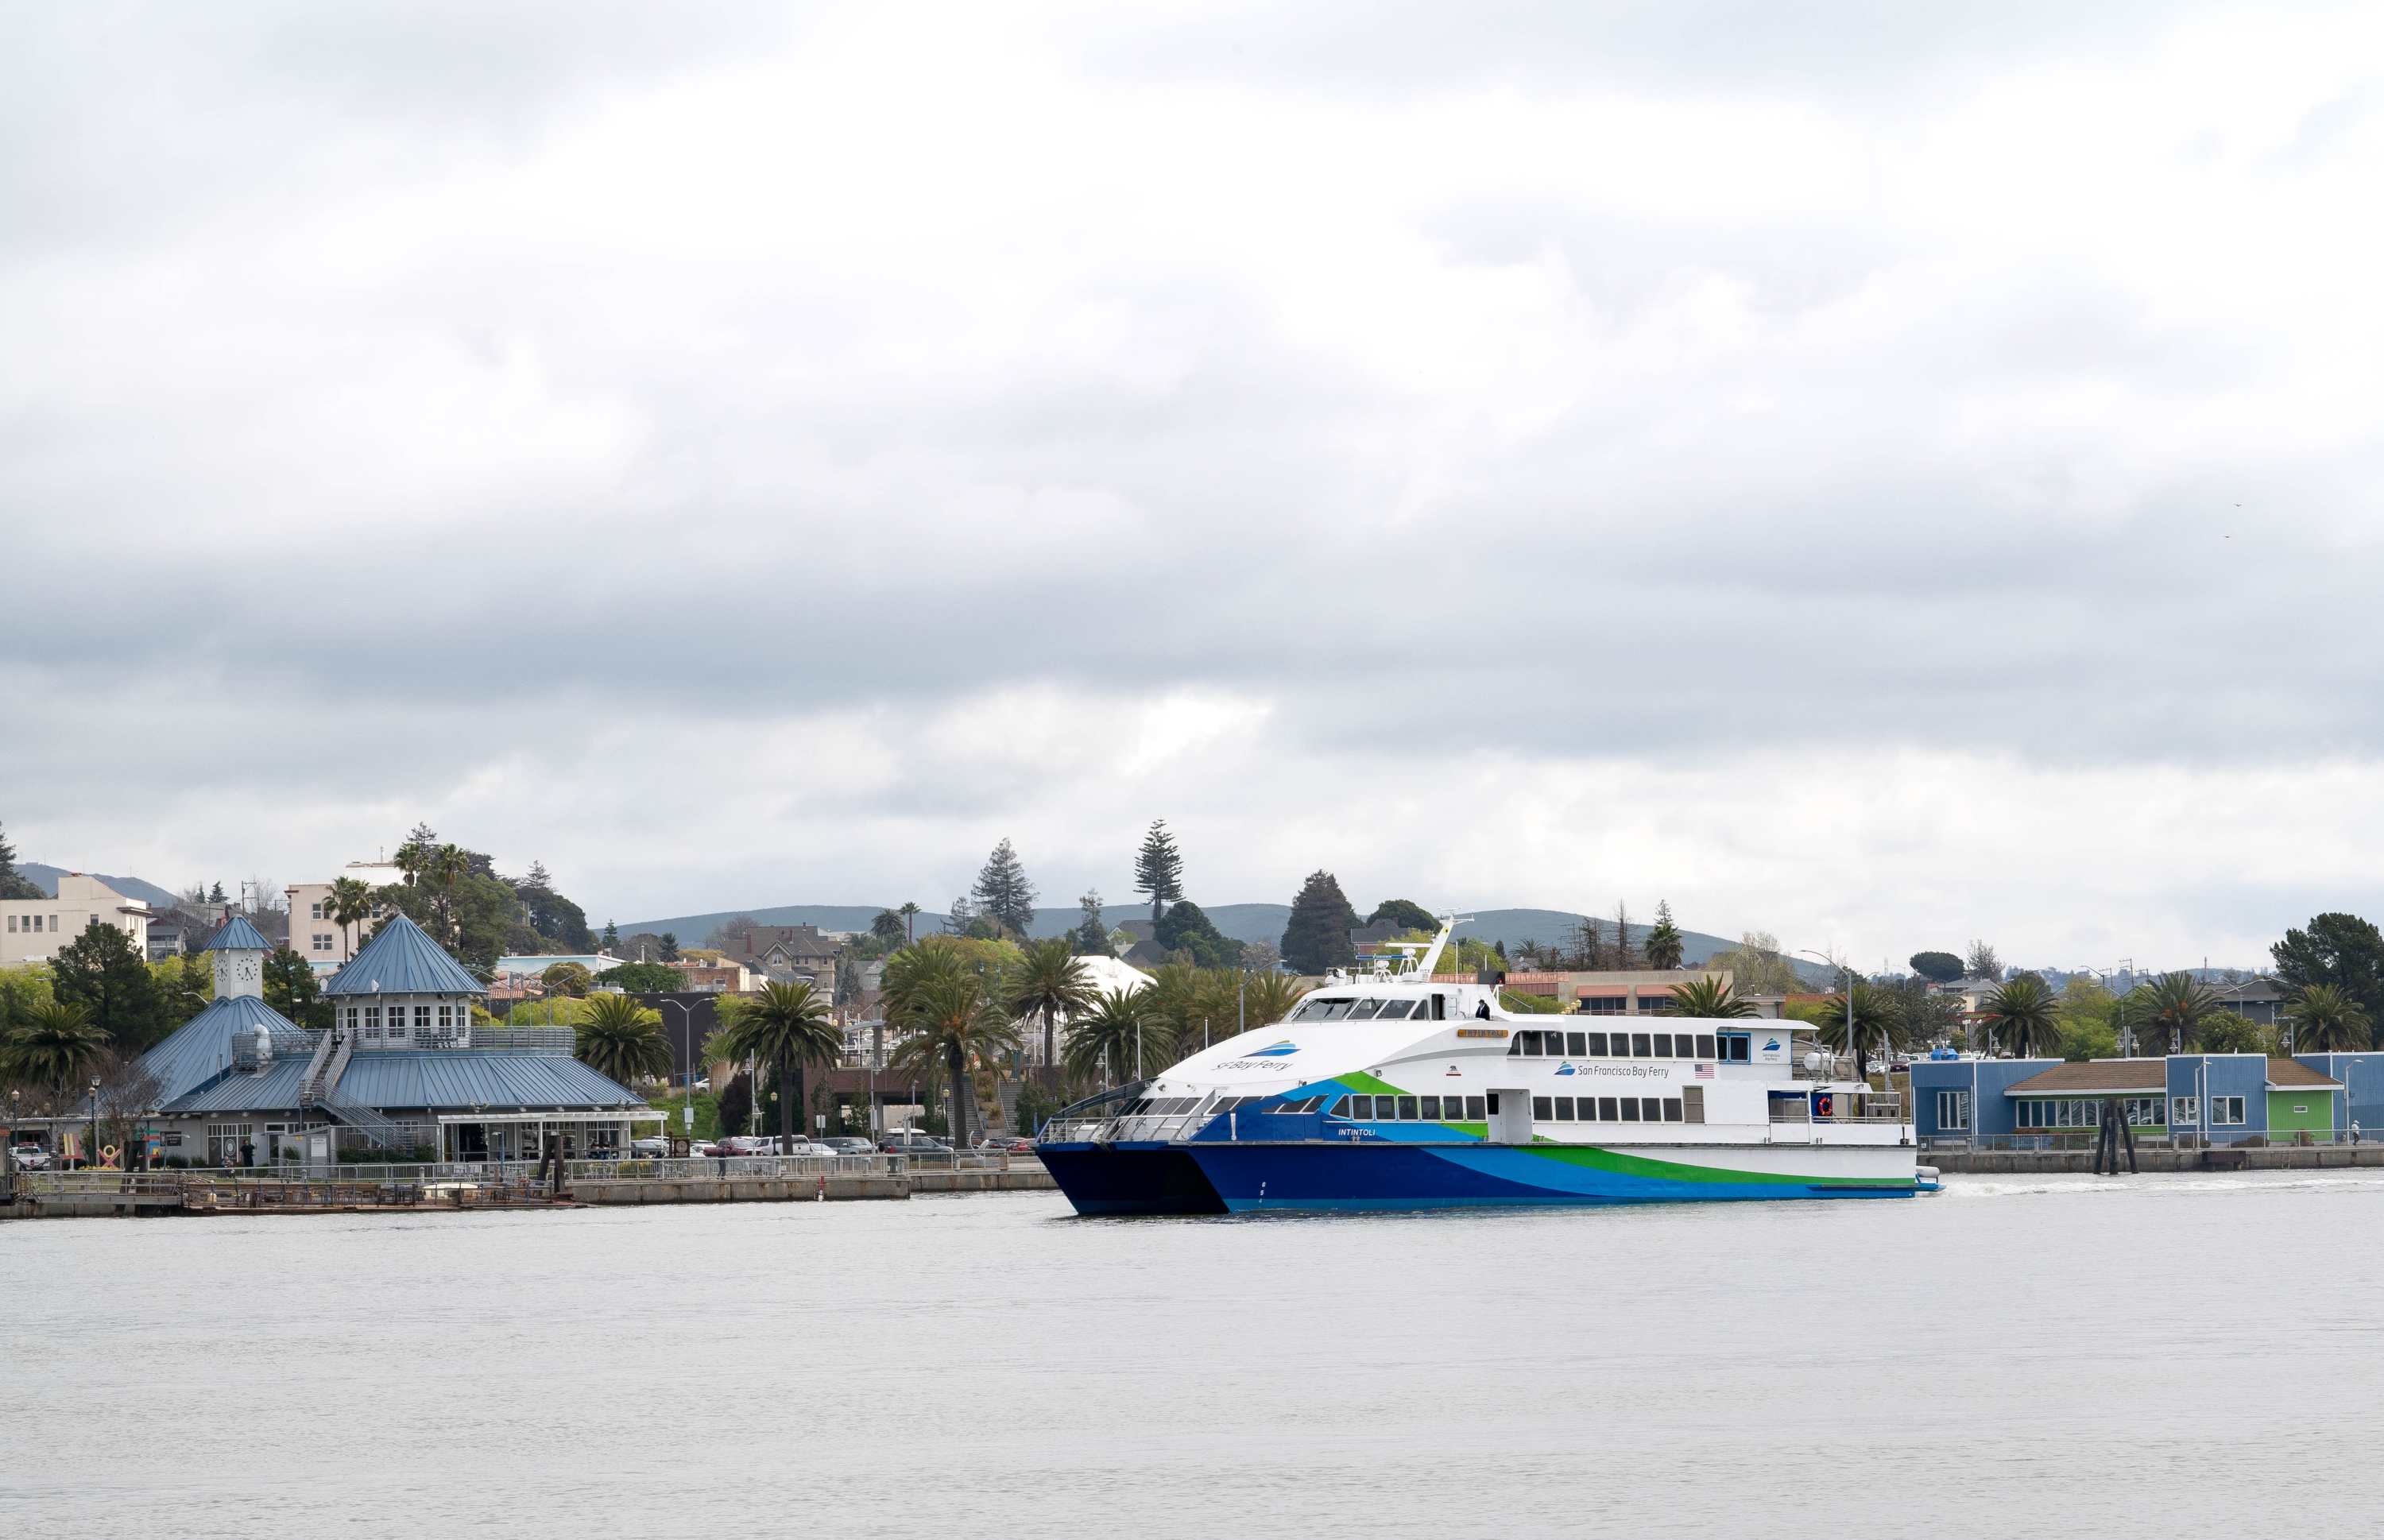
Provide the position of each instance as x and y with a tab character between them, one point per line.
321	1089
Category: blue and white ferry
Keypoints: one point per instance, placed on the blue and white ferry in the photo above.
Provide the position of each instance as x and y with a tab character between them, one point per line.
1391	1089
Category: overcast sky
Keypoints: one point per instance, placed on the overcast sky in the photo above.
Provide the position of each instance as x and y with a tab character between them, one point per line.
1884	475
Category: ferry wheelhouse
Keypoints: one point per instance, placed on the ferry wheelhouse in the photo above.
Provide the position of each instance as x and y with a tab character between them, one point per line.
1393	1089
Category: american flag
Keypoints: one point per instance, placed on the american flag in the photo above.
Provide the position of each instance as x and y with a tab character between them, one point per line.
1705	1072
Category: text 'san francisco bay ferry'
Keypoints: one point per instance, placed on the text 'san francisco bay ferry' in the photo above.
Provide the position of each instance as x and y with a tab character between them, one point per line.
1396	1090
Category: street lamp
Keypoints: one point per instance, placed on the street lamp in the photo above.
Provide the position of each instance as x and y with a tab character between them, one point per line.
92	1158
1848	978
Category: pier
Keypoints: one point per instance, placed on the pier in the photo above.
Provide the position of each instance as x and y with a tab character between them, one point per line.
518	1186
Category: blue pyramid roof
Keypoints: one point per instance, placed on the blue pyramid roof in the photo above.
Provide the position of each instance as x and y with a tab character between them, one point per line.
402	960
238	935
201	1048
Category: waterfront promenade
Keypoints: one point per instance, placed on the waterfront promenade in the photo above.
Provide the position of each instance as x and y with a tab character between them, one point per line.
520	1186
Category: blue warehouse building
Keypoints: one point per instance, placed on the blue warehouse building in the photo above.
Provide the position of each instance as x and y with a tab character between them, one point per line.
2218	1098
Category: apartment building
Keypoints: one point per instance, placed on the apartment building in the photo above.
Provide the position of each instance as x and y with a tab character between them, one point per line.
32	930
322	941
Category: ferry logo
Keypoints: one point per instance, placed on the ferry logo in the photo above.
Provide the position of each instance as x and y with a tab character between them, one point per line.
1282	1049
1567	1069
1772	1046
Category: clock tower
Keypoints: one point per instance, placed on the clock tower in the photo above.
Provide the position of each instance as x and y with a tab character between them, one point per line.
239	950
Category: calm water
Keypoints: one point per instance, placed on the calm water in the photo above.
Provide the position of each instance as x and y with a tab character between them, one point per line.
2155	1355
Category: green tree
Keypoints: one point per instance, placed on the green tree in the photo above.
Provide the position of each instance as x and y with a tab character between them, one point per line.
2225	1031
1050	983
909	913
790	1026
670	946
1091	938
57	1041
350	904
2023	1016
1267	997
2326	1019
13	884
1876	1020
1187	930
1106	1041
22	988
887	925
566	978
1317	935
954	1024
1664	943
100	971
1159	869
2340	950
1941	967
2167	1013
292	988
1983	964
621	1039
2088	1020
1409	917
612	935
641	978
1002	892
1710	999
1755	965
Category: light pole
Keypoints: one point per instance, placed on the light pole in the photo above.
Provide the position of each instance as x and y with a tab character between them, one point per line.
1846	977
92	1159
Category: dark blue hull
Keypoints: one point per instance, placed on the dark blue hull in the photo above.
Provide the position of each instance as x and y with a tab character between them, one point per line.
1131	1179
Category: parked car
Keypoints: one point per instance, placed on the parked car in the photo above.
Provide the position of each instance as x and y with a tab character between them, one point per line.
912	1144
844	1145
748	1144
1010	1142
652	1146
30	1156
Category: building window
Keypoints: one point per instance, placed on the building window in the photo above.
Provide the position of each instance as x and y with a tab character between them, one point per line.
1605	1007
422	1018
314	911
1649	1003
2227	1111
2185	1111
1953	1109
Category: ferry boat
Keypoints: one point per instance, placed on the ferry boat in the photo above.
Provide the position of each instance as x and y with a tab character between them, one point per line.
1394	1089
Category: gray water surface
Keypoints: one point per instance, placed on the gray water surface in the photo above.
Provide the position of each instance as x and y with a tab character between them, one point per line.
2024	1357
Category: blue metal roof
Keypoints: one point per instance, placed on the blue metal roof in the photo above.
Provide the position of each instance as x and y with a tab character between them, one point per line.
200	1048
238	935
442	1080
402	960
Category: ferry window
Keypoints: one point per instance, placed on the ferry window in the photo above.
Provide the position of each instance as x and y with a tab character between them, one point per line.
1622	1044
1406	1109
1631	1109
1692	1102
1540	1109
1474	1112
1528	1044
1432	1109
1440	1008
1340	1109
1494	1104
1672	1109
1365	1009
1606	1110
1640	1048
1361	1108
1322	1011
1732	1046
1597	1049
1515	1045
1577	1043
1705	1045
1663	1045
1564	1109
1650	1109
1395	1009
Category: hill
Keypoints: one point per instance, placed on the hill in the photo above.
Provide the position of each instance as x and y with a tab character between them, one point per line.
1243	921
131	887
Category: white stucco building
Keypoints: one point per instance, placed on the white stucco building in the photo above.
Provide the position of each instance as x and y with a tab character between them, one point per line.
322	941
32	930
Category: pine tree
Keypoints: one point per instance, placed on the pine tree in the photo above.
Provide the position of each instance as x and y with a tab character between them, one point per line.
1092	935
1318	935
218	896
1159	869
11	885
1002	892
612	935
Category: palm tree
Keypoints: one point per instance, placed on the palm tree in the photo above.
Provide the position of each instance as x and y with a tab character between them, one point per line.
909	913
789	1025
1663	944
2175	1004
1268	998
2022	1015
1053	980
2327	1020
1710	999
1112	1034
621	1039
955	1026
349	905
54	1046
446	863
1876	1018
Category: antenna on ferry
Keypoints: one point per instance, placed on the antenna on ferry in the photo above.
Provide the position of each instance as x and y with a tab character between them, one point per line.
1430	963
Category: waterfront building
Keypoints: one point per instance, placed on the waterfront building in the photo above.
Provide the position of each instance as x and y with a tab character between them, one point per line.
402	1071
2223	1098
322	941
1643	992
32	930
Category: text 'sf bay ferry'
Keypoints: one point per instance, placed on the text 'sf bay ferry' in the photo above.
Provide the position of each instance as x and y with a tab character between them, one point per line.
1395	1091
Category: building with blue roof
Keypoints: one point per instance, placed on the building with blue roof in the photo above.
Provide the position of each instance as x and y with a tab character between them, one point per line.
398	1072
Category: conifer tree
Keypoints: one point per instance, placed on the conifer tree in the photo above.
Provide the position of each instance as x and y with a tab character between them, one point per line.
1002	892
1318	935
13	885
1159	869
1092	935
1664	944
